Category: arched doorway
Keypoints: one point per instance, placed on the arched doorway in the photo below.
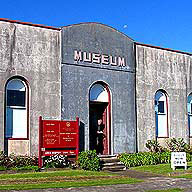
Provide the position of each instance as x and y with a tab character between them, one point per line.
100	119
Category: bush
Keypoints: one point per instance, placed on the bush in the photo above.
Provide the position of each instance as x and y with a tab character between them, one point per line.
157	154
154	146
177	145
56	161
12	161
88	160
35	168
188	157
147	158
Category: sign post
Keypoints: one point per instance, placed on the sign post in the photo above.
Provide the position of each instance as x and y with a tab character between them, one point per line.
178	159
58	137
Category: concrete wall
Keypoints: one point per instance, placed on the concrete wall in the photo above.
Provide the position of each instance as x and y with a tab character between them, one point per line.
162	69
78	76
33	53
59	87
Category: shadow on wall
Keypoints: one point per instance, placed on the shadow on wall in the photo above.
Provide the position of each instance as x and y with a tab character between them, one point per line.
6	146
81	136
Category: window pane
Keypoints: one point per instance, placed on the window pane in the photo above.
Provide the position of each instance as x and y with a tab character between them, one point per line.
9	123
161	107
16	84
155	102
15	98
191	108
16	123
19	123
162	125
98	93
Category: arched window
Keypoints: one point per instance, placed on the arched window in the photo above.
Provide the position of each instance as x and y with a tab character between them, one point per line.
161	114
16	109
98	93
189	110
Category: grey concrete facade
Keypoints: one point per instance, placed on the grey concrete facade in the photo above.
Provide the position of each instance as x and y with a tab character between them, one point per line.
32	53
78	76
60	66
170	71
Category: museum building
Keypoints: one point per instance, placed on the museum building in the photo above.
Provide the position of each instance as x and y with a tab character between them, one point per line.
94	72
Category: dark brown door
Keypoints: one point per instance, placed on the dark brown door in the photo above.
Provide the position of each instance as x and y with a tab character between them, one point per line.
99	130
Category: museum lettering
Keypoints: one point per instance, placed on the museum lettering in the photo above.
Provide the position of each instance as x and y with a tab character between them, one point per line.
99	58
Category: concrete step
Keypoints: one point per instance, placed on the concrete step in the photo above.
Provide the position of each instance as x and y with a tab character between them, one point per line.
111	163
114	168
107	156
109	160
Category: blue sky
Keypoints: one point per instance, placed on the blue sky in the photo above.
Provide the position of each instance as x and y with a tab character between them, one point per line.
165	23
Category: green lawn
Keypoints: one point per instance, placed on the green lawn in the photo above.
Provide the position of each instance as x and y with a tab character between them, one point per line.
167	190
65	173
79	178
164	169
60	179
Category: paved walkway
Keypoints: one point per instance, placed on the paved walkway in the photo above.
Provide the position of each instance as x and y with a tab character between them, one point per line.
151	182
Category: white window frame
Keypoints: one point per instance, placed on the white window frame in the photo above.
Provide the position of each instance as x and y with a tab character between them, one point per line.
189	112
16	126
161	119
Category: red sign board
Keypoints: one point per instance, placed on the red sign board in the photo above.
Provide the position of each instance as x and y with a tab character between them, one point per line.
58	137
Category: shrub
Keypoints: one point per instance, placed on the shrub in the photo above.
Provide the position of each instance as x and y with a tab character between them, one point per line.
177	145
35	168
2	168
88	160
157	154
154	146
147	158
56	161
12	161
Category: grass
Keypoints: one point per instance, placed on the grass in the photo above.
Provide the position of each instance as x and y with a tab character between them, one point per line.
186	176
61	179
164	169
167	190
2	168
80	178
65	173
24	168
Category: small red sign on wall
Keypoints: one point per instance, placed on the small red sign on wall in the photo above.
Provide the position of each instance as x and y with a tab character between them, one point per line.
58	137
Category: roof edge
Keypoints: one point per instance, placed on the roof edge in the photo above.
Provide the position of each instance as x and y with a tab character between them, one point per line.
100	24
166	49
30	24
58	29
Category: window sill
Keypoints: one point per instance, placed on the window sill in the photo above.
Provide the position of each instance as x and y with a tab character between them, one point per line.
162	137
17	138
16	107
